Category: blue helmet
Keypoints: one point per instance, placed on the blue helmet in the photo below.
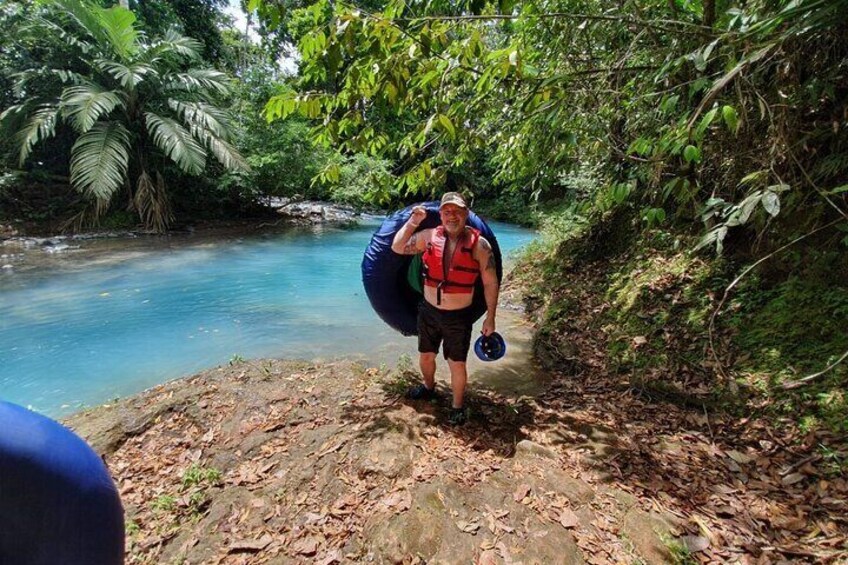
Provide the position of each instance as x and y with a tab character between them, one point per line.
490	348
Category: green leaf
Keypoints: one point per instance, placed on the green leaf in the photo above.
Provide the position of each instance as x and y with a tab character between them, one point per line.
692	154
199	114
839	189
99	159
447	125
198	80
173	45
119	25
730	118
506	6
129	76
753	177
84	105
176	142
771	202
705	123
40	126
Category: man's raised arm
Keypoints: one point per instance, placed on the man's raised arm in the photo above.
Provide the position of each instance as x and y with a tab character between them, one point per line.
406	241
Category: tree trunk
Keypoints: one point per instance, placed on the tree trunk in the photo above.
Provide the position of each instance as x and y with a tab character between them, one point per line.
709	13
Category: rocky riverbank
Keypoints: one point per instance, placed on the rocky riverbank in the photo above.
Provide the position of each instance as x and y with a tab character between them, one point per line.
21	251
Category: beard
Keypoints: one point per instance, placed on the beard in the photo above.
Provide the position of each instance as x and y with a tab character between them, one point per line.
454	228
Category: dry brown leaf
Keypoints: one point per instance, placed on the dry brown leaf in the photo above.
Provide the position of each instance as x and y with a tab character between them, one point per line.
250	545
792	478
521	492
305	546
468	527
488	557
399	501
568	519
334	556
740	458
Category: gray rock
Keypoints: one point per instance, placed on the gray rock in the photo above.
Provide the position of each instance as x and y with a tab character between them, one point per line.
528	447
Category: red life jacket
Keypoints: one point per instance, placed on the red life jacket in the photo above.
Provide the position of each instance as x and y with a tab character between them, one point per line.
457	274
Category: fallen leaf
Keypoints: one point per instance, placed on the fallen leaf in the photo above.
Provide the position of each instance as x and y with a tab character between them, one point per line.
740	458
488	557
468	527
334	556
792	478
399	501
305	546
568	519
250	545
521	492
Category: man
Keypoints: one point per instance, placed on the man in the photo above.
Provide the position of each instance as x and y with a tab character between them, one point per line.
454	255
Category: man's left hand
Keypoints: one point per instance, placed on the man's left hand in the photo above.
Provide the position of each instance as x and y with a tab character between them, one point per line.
488	326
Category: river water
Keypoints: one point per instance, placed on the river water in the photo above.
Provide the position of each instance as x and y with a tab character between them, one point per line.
89	325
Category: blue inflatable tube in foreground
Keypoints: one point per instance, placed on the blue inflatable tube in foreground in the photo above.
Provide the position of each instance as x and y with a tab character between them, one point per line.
58	504
384	272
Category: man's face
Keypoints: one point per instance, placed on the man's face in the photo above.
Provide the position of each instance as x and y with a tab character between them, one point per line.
453	218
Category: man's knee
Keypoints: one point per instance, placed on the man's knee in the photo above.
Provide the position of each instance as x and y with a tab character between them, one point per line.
458	367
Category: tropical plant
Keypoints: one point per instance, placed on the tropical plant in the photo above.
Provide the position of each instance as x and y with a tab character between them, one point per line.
133	105
703	110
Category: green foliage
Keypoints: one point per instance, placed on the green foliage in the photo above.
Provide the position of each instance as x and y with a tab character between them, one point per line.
787	331
361	180
669	108
199	19
679	553
132	105
198	475
164	503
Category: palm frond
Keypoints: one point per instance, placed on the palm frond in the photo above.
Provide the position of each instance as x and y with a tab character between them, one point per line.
200	114
151	202
113	28
86	15
99	160
85	104
11	113
119	25
176	142
23	80
226	154
40	126
129	76
198	80
173	45
42	26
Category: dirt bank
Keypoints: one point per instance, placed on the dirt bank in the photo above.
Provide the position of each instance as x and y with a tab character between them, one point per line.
277	462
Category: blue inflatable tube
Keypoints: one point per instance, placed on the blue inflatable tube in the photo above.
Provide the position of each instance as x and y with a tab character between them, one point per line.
58	504
384	272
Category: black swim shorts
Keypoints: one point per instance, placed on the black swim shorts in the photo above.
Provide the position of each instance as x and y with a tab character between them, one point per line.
453	327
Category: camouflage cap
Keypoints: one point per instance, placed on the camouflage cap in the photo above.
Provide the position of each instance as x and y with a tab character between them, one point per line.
453	198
